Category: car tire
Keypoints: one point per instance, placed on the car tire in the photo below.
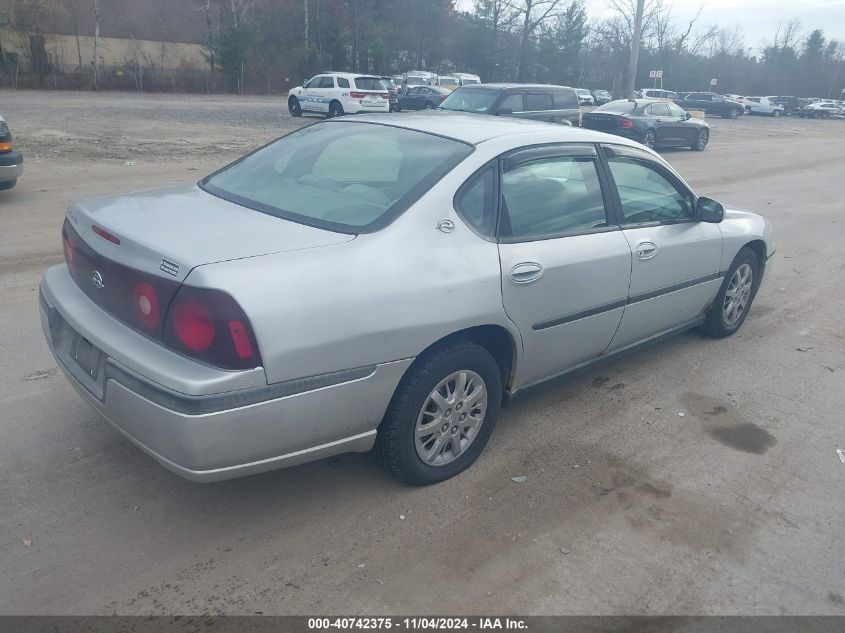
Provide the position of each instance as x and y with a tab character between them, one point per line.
701	142
400	440
724	318
734	113
294	107
8	184
335	110
649	139
776	113
429	105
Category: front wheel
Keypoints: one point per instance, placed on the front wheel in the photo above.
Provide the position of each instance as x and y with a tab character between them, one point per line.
649	139
701	142
441	415
776	113
735	296
294	107
335	109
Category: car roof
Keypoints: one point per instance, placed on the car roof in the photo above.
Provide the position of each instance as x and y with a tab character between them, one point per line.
505	86
477	128
346	75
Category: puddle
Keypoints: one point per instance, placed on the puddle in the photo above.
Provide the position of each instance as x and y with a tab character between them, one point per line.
746	437
724	423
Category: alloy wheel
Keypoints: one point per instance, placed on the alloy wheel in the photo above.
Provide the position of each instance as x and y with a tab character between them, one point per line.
450	418
738	294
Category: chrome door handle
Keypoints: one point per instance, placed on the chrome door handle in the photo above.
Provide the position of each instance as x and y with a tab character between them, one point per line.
526	272
646	250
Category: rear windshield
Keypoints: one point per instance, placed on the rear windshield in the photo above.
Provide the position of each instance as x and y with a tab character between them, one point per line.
470	100
415	81
369	83
447	81
340	175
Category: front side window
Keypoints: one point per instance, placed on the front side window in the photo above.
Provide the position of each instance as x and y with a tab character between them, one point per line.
314	82
512	102
326	82
470	100
676	110
646	194
552	196
342	176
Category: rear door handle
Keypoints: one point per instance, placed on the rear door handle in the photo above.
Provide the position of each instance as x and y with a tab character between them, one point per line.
526	272
646	250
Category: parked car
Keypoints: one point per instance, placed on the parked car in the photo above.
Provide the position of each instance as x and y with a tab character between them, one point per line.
656	93
392	91
711	103
298	304
763	105
417	78
422	98
539	102
790	104
819	110
449	82
652	123
334	94
585	97
738	98
11	160
600	97
467	79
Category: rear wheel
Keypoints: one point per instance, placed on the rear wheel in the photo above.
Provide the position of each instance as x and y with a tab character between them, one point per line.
733	113
429	105
735	296
8	184
701	142
776	113
294	107
335	109
649	139
441	415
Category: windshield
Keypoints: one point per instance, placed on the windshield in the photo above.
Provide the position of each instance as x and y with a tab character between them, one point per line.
463	100
582	91
344	176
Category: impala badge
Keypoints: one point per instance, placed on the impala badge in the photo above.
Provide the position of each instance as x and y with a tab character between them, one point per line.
97	280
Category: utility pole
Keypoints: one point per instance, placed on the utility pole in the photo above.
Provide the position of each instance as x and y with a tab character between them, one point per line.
635	49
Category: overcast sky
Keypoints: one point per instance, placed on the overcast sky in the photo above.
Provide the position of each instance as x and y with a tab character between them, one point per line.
758	19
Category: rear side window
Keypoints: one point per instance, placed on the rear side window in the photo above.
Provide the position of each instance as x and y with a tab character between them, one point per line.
552	196
538	101
659	109
564	99
476	200
369	83
342	83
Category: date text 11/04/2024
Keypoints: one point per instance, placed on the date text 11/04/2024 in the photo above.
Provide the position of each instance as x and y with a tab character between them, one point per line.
418	623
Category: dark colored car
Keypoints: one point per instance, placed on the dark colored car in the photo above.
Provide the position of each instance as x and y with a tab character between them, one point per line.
790	104
558	104
392	91
711	103
422	98
11	160
601	97
652	123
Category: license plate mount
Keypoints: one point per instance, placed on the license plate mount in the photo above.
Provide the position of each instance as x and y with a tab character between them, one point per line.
87	356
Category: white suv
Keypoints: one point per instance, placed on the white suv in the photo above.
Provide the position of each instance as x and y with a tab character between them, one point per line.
334	94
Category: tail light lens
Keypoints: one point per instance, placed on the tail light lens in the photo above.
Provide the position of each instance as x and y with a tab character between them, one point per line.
627	124
204	324
210	326
357	95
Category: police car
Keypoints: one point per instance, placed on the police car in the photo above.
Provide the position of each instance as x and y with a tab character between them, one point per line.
334	94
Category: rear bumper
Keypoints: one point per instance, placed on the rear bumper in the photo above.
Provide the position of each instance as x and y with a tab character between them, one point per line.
215	436
11	166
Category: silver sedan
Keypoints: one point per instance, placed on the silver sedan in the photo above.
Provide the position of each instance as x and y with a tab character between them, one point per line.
383	281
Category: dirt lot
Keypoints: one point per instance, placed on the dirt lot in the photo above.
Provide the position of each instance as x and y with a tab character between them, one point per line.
629	507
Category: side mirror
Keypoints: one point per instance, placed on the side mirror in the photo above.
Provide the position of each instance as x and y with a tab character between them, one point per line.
504	112
687	116
708	210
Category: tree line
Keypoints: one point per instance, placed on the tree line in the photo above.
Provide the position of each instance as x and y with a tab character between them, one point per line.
271	45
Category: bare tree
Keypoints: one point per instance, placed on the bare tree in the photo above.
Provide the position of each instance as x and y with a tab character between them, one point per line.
96	59
532	13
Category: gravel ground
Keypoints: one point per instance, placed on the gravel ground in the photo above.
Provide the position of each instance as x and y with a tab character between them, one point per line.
628	507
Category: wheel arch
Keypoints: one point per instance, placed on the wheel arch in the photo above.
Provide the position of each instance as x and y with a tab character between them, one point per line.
759	248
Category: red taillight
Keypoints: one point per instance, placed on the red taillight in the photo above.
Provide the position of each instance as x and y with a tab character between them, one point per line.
193	324
210	326
105	234
443	98
628	124
146	305
357	95
69	248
